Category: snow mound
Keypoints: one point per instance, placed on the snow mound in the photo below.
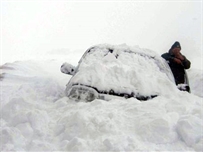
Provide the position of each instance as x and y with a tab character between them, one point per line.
187	127
196	81
36	116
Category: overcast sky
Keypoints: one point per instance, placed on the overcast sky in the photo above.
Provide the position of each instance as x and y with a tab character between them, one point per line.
32	29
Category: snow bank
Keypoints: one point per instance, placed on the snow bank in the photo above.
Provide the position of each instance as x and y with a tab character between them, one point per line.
36	116
196	81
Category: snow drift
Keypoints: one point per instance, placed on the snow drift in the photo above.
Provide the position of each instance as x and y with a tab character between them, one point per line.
36	115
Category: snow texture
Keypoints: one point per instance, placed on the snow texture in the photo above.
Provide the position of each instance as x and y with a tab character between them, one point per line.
37	116
124	69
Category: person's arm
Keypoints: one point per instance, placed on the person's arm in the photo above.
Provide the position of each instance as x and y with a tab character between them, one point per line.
186	63
183	60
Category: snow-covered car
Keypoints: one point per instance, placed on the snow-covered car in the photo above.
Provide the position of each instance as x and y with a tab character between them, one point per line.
107	71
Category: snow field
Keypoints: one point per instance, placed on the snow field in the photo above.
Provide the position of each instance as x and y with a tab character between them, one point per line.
36	116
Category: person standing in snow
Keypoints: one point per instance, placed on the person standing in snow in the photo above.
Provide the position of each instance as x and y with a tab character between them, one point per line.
178	63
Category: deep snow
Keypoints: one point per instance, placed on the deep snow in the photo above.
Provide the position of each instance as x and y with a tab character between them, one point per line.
123	69
37	116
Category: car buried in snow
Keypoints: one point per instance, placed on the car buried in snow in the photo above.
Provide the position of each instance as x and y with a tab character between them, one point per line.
107	71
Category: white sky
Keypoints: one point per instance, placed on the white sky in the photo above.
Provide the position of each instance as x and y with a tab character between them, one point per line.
33	29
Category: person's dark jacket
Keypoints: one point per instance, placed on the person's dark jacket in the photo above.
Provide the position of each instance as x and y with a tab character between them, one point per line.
178	70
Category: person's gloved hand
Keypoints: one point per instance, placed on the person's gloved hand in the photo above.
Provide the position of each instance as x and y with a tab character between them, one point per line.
177	60
179	56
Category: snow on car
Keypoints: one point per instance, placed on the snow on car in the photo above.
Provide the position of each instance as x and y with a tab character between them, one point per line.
107	70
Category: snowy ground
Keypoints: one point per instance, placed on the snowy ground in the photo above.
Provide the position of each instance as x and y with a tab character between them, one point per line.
36	115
